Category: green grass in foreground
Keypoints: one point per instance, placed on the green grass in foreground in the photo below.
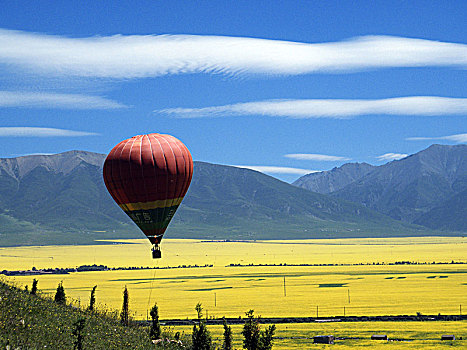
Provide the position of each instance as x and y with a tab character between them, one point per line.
35	322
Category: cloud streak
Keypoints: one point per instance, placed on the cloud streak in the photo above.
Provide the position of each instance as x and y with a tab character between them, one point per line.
41	132
53	100
141	56
330	108
277	169
459	138
317	157
391	156
32	154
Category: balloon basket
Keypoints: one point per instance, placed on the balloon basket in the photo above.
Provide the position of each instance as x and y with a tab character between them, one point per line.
156	252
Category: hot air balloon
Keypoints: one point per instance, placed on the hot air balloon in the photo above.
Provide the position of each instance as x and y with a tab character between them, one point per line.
148	176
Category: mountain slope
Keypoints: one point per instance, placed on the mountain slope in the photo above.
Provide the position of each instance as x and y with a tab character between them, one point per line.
254	205
59	191
63	197
450	215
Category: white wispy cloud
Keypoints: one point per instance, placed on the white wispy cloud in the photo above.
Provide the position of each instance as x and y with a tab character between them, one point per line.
277	169
459	138
317	157
32	154
53	100
330	108
391	156
138	56
41	132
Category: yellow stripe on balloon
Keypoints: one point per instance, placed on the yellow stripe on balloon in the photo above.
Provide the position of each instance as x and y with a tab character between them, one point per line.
163	203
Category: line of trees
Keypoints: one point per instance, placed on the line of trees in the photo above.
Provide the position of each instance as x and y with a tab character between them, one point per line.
253	337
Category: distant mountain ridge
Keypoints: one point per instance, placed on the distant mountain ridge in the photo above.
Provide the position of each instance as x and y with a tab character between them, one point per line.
333	180
59	163
417	189
62	199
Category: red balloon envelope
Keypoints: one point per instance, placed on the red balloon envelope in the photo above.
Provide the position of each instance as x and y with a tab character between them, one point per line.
148	176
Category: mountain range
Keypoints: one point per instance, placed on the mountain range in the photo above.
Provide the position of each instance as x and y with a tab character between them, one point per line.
428	188
62	199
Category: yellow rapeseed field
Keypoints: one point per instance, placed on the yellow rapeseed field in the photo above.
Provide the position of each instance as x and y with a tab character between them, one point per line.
401	335
230	291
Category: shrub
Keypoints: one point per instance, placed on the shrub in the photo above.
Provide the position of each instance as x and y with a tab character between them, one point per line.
34	287
60	297
78	328
201	337
92	300
254	338
227	345
266	338
124	314
250	332
155	330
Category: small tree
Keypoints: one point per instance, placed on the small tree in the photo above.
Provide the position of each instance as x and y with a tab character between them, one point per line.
201	337
254	338
250	332
266	338
199	311
124	314
60	296
155	331
227	345
92	300
78	328
34	287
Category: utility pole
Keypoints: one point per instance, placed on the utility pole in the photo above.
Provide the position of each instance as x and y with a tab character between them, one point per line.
344	311
348	294
215	299
285	294
316	311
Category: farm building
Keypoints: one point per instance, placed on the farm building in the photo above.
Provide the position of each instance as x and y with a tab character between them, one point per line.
379	337
323	339
448	337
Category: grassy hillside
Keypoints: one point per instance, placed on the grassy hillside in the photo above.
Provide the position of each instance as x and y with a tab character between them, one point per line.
33	322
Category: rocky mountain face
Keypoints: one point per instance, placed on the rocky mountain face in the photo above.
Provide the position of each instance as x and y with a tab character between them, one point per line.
62	163
62	199
427	188
330	181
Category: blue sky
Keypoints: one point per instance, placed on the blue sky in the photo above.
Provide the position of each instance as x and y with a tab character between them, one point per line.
290	86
